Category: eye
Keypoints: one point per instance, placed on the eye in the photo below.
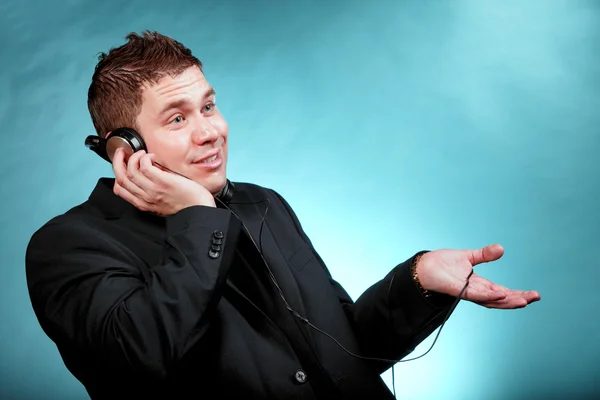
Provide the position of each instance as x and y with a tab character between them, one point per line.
209	107
178	119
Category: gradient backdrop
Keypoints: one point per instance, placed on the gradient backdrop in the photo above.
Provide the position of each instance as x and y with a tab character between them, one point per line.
390	126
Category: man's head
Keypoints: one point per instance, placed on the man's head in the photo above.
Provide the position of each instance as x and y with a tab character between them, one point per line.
155	85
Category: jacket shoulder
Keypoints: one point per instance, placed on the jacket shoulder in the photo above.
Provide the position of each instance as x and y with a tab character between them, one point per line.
71	224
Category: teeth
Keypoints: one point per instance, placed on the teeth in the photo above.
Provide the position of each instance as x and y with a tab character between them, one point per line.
211	159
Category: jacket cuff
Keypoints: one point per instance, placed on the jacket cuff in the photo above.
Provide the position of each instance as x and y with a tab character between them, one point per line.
198	216
205	234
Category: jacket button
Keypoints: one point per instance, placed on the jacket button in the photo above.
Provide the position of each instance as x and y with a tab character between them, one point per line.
213	254
300	376
218	234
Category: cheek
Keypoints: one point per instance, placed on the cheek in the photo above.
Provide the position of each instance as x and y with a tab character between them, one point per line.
169	147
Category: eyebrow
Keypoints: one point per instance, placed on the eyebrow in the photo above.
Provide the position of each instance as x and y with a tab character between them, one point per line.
182	102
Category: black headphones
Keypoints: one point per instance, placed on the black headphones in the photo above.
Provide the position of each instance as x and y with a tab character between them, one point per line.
131	141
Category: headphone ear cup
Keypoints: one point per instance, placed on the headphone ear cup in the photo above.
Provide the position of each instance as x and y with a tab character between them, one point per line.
125	138
97	145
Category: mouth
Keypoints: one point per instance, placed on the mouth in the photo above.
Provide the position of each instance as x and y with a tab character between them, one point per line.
210	157
208	160
212	160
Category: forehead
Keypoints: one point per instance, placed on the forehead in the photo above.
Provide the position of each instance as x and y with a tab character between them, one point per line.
190	85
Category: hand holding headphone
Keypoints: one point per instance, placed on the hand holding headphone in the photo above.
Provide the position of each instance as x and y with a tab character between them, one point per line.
131	142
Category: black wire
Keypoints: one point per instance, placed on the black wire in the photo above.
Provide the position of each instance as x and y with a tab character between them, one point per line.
393	382
385	359
391	326
170	170
306	321
261	228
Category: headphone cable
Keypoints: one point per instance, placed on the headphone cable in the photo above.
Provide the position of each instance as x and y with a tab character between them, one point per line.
310	324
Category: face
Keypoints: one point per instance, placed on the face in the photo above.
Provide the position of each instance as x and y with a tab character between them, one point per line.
181	125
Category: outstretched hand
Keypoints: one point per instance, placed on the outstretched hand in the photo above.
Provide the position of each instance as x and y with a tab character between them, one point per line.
446	271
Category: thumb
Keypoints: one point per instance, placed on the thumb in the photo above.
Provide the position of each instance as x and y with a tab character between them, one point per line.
486	254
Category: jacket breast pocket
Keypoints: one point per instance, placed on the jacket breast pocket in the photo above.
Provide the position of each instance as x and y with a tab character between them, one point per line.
301	257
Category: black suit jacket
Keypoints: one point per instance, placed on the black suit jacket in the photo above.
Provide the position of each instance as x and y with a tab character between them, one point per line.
184	306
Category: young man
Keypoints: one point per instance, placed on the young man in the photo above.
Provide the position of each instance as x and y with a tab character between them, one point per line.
161	286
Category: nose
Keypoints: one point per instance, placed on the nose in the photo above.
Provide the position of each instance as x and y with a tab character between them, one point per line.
205	134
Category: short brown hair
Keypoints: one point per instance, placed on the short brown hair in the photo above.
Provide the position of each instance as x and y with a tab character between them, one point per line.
115	94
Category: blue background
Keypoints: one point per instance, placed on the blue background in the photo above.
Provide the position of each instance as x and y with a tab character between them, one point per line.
390	126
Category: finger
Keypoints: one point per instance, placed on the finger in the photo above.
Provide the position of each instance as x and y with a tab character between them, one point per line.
481	284
529	295
515	299
486	254
509	303
156	172
133	164
478	295
138	172
118	163
150	170
122	174
505	304
146	166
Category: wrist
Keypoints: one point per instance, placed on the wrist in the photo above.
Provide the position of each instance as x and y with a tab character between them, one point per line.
416	272
209	202
201	199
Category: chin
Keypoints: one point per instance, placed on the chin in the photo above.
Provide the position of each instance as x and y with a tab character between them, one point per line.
213	183
213	180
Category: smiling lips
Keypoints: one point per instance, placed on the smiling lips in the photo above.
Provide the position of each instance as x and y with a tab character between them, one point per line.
210	162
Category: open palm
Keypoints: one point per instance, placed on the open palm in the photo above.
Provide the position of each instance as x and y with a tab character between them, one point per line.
446	271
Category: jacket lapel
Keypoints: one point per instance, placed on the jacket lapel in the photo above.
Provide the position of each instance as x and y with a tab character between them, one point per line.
251	211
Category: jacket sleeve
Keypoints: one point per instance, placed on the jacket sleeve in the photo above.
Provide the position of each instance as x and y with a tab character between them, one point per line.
90	297
392	316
